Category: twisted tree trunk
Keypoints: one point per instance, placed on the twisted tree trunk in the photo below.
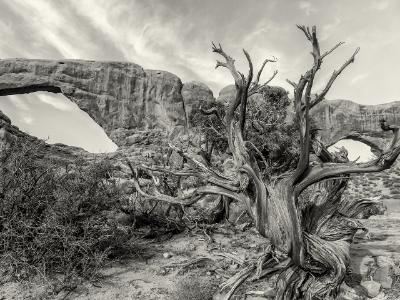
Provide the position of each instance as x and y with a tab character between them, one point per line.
301	212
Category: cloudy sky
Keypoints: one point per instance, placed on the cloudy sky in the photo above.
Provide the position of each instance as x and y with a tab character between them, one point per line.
175	35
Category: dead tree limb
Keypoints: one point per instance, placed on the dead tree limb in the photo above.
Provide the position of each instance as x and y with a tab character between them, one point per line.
299	211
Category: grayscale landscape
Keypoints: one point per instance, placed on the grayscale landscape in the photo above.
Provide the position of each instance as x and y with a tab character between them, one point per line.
186	150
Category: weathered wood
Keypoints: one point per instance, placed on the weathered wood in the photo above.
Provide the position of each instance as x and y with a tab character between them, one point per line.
301	212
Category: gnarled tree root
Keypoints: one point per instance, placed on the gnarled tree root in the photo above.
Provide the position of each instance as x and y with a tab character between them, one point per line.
267	264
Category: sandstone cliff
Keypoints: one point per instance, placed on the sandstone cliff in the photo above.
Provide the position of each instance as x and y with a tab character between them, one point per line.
138	109
131	103
338	118
116	95
194	95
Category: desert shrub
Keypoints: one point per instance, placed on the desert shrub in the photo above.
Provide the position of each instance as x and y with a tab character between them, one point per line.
54	221
194	288
266	128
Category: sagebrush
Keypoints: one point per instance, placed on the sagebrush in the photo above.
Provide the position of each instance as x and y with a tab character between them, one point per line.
54	220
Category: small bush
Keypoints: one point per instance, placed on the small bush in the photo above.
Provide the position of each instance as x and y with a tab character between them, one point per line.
52	221
194	288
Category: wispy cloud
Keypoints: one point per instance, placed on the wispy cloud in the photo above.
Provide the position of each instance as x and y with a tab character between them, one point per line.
176	36
329	28
358	78
307	7
379	4
58	103
18	103
27	119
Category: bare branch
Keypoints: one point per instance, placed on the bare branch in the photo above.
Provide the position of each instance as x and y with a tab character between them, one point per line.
229	63
262	68
306	31
331	50
292	83
212	176
259	153
256	88
243	101
335	74
190	197
375	147
168	171
394	129
271	78
240	83
384	161
250	75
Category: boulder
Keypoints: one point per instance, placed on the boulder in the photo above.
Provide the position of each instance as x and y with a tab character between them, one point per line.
372	288
349	293
384	271
383	276
227	94
194	95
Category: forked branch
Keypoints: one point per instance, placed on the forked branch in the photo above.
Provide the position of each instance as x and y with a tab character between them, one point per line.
274	59
384	161
229	63
332	79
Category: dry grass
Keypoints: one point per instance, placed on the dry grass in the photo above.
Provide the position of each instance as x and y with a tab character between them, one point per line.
52	223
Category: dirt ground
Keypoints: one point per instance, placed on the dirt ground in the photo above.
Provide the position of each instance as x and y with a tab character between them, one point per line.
163	264
156	274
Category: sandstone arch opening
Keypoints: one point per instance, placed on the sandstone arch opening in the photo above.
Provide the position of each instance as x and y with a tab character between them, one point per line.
56	119
356	149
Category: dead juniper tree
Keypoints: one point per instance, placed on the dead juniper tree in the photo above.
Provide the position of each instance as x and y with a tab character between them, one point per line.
301	212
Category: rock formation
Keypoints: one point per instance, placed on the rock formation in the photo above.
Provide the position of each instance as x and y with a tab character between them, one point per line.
194	95
129	102
138	109
338	118
117	95
59	153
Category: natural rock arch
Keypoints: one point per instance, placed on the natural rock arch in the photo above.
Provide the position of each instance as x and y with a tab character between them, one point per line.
338	119
116	95
55	119
356	150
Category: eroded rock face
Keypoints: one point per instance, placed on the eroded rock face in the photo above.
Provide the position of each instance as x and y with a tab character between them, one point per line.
226	94
116	95
194	95
128	101
338	118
